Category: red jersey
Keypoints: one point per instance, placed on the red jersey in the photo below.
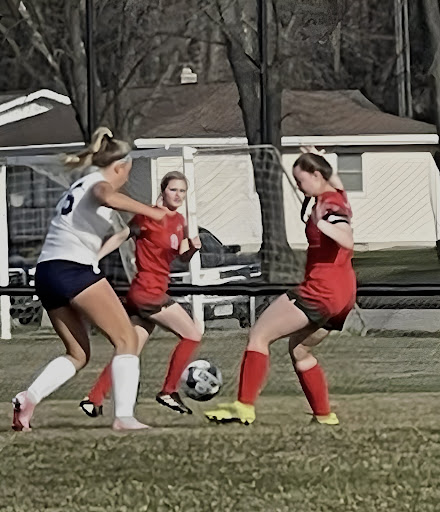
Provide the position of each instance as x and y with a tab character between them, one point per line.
157	245
330	281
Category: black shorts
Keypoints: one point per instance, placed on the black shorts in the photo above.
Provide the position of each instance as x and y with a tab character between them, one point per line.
330	322
144	311
57	282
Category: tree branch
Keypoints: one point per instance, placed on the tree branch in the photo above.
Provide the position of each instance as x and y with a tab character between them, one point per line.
155	93
18	54
37	38
231	37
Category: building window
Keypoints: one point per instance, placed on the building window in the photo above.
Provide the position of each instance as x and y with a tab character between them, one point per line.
350	172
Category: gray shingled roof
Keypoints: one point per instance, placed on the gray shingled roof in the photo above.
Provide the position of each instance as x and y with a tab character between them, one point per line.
200	110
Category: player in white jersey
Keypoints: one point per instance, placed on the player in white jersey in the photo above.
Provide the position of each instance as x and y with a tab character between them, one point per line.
74	291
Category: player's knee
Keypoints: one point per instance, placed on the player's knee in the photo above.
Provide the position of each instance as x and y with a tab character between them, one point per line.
315	338
196	335
303	360
79	358
191	333
126	341
258	341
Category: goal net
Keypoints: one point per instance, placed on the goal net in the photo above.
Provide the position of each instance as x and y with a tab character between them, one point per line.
223	206
246	209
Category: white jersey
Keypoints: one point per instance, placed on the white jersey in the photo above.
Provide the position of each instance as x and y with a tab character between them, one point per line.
78	229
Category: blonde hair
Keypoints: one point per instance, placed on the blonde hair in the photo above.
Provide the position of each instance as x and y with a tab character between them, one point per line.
102	151
173	175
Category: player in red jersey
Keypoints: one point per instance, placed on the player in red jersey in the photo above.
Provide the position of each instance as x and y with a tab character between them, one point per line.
307	314
157	245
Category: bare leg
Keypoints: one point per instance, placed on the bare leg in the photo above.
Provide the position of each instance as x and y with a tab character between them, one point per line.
175	319
280	319
102	306
301	344
144	329
92	404
72	330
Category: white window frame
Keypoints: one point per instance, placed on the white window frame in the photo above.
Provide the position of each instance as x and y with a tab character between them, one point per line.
355	193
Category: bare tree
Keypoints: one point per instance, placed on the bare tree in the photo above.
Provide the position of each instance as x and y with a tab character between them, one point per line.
238	21
47	39
432	17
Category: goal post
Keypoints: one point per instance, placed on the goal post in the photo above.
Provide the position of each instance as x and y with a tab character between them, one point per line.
193	231
31	184
5	303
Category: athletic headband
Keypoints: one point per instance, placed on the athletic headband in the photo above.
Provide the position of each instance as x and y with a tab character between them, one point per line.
127	158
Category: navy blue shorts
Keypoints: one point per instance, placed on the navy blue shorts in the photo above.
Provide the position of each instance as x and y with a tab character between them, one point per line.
57	282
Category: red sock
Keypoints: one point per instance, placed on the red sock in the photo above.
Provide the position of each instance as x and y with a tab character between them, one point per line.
102	386
254	369
179	359
314	385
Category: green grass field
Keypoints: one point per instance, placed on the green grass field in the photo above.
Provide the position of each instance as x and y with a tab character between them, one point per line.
404	266
385	455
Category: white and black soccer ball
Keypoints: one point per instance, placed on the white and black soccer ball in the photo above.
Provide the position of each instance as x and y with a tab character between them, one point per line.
201	380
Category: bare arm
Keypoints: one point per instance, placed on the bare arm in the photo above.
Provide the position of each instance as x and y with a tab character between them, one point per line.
341	233
114	242
107	196
189	247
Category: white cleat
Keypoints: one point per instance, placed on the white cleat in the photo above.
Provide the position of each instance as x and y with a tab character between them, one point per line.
128	423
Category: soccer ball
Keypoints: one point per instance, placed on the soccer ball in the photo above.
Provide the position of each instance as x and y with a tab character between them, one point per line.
201	380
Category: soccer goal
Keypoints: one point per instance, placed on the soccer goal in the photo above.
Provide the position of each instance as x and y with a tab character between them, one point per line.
223	207
242	203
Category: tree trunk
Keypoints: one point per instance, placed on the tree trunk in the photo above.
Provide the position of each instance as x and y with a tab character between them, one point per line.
432	17
278	262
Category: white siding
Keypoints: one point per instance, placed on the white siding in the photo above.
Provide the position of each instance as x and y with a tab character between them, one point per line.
227	203
394	208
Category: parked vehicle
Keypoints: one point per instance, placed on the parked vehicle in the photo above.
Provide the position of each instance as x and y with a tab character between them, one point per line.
25	309
220	264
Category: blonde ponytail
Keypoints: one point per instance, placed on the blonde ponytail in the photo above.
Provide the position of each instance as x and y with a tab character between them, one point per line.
102	151
97	138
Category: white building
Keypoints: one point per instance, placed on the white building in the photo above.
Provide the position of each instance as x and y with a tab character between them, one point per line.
384	160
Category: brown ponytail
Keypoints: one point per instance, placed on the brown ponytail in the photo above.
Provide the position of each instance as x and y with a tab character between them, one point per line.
310	162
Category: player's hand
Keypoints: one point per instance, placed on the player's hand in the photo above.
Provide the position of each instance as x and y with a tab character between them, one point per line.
312	149
195	243
158	214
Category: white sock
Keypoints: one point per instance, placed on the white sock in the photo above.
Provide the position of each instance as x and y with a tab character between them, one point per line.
56	373
125	377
